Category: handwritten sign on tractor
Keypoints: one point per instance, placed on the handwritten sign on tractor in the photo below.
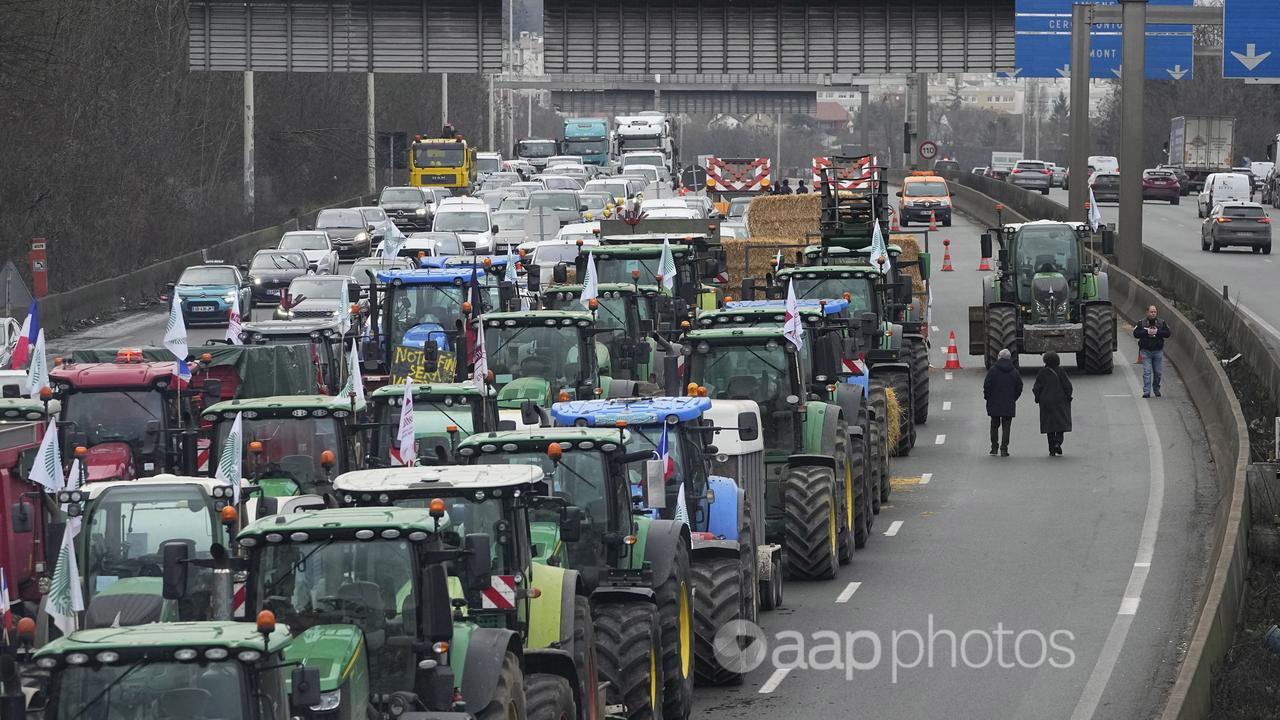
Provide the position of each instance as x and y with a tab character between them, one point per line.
415	363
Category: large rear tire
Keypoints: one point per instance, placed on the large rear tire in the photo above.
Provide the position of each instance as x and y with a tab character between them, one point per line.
1002	333
900	381
718	601
584	656
920	380
879	443
675	613
846	490
509	696
862	491
550	697
629	645
812	528
1099	338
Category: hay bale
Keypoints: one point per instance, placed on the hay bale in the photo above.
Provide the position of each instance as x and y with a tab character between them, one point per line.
910	253
893	420
789	216
752	257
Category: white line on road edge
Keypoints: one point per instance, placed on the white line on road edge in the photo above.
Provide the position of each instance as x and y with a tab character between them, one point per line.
1124	395
848	592
946	376
925	478
1091	696
946	405
940	439
893	528
774	680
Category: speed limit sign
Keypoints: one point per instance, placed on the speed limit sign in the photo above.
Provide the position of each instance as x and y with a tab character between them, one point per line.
928	150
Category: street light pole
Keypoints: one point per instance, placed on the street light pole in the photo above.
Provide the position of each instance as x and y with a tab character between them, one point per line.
1078	191
1132	87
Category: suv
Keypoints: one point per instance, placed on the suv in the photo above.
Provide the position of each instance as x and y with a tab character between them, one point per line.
1032	175
348	230
1105	186
408	207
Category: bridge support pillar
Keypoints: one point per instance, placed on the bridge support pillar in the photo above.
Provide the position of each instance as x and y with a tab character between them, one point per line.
1078	190
1132	86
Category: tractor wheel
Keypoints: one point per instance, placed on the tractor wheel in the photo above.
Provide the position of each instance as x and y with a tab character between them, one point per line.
1002	333
509	695
550	697
862	485
846	492
629	645
584	655
750	570
919	360
718	601
879	445
675	615
900	381
1099	337
812	528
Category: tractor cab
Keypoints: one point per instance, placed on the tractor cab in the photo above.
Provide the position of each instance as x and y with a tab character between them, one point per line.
129	414
443	414
1045	262
625	323
322	338
124	528
540	355
292	444
420	322
854	197
28	545
637	264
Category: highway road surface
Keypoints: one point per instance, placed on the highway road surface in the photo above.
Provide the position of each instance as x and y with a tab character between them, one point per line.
1175	231
1099	552
1020	587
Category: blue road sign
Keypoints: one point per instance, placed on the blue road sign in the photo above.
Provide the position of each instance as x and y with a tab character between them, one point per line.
1250	48
1043	43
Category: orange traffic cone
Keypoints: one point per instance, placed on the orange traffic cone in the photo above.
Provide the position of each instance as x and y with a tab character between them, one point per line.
893	222
946	256
933	222
953	355
984	266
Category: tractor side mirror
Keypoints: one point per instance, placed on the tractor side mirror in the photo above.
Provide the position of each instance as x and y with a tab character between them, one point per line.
748	289
986	244
268	506
560	274
174	584
304	689
479	559
571	524
923	261
534	277
430	356
493	229
529	414
748	426
1108	241
655	483
20	518
434	613
353	292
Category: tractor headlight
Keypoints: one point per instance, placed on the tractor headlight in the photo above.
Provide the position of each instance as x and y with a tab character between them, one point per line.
328	701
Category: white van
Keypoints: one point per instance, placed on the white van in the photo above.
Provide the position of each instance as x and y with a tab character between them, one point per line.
470	219
1104	163
1222	187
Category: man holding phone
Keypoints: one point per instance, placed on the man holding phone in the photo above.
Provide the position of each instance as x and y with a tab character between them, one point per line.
1151	333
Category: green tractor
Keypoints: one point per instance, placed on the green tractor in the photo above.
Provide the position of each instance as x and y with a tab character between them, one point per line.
626	325
836	376
369	585
443	413
897	359
637	264
545	604
1044	296
323	338
184	670
636	569
809	449
292	443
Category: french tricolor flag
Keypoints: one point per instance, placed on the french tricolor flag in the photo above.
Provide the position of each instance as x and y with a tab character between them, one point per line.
26	338
668	463
182	372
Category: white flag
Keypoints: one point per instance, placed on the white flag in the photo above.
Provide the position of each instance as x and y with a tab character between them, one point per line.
355	383
480	362
392	241
590	286
73	475
229	460
406	452
682	512
47	468
667	266
175	332
38	371
509	274
66	597
793	324
879	250
233	322
1095	213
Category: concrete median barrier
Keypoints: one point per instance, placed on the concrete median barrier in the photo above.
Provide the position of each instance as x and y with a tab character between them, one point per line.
1218	609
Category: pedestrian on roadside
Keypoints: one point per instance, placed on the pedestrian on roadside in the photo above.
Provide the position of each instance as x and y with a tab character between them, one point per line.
1052	391
1001	389
786	187
1151	333
801	189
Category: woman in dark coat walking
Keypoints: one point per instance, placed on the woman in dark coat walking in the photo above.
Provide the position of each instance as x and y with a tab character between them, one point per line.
1053	392
1002	388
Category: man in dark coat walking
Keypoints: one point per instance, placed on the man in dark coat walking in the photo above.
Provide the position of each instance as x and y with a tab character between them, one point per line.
1002	388
1052	391
1151	334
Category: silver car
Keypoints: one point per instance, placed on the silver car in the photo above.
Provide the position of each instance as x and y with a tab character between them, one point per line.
1242	224
1032	175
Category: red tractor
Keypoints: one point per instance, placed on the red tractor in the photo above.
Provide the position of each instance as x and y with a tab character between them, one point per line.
28	541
